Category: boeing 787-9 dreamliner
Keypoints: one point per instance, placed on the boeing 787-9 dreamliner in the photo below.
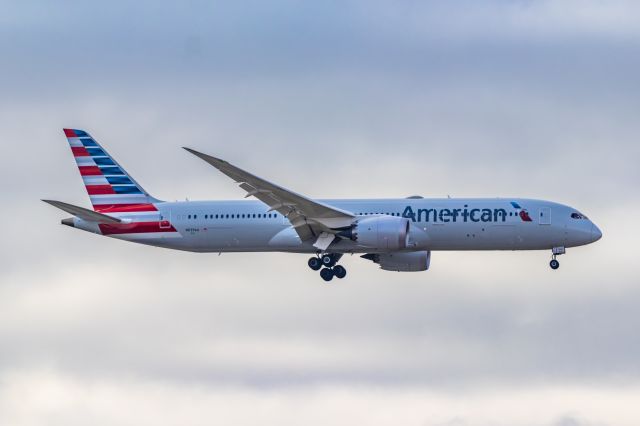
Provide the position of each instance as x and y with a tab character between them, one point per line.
398	234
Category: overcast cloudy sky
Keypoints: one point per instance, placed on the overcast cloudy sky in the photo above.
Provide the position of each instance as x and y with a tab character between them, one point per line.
523	98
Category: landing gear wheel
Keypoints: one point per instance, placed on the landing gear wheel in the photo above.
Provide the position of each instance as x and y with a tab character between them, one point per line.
328	260
339	271
554	264
326	274
314	263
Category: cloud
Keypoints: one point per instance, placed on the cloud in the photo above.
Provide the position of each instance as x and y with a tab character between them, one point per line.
357	99
46	397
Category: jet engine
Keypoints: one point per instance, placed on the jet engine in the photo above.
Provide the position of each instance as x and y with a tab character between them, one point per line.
402	262
380	232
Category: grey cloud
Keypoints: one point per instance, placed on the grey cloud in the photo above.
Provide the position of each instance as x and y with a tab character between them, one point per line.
419	97
61	399
199	323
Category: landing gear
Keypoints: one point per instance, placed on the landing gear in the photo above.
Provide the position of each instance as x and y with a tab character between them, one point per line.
339	271
556	251
326	274
329	260
314	263
326	264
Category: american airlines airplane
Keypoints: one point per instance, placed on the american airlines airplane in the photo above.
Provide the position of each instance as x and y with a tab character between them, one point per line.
397	234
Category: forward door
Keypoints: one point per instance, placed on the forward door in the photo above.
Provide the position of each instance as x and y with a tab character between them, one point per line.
544	216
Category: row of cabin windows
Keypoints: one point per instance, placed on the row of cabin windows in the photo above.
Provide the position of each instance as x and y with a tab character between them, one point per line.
273	215
231	216
398	214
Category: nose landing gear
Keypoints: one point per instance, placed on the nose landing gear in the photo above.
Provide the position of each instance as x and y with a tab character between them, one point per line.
326	264
556	251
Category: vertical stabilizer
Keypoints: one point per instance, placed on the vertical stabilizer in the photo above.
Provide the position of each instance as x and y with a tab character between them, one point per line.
110	187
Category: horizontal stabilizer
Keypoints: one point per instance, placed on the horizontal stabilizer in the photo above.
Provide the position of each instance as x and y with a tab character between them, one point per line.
82	213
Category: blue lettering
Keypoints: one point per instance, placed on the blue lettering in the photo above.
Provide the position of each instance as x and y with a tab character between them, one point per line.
409	214
465	212
426	213
452	215
501	213
445	214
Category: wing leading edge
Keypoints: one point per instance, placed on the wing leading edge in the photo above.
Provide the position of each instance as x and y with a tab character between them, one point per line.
311	219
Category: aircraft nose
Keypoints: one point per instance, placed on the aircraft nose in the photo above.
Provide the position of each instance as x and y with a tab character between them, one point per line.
596	234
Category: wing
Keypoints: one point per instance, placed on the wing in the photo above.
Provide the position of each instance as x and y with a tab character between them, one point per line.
311	219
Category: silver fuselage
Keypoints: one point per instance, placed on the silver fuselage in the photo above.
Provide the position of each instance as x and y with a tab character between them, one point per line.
436	224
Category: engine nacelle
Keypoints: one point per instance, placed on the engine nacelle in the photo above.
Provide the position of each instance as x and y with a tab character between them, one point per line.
402	262
381	232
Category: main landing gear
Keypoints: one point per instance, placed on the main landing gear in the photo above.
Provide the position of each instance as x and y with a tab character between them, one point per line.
326	263
556	251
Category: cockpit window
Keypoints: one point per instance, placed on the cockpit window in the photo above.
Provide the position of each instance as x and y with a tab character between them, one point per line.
576	215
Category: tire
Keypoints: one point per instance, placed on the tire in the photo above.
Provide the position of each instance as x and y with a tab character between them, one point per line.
314	263
339	271
328	260
554	264
326	274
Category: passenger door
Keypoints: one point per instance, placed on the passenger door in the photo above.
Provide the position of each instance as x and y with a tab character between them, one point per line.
544	216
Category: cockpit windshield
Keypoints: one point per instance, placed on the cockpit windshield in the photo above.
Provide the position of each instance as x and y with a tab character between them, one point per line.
576	215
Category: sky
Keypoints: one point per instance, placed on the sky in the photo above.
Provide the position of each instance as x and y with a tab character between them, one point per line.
535	99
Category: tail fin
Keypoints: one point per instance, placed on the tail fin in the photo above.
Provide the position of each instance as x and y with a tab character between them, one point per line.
110	187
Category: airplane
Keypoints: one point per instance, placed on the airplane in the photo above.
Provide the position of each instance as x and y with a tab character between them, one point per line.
398	234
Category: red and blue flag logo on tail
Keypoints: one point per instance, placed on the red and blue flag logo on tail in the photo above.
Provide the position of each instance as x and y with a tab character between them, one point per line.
110	188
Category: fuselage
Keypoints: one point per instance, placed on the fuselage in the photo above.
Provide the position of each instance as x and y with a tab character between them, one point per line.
435	224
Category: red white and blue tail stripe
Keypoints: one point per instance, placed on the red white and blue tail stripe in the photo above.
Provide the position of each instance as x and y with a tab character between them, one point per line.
110	188
114	192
